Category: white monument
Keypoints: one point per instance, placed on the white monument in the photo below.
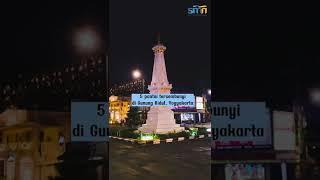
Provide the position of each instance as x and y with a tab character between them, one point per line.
160	119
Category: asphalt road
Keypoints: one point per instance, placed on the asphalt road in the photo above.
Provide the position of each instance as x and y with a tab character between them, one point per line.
189	160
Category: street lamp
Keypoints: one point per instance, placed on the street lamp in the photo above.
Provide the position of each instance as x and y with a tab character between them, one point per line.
209	91
136	74
87	41
315	96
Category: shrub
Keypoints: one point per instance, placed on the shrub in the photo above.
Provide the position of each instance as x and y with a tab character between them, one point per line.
174	135
134	118
113	131
202	130
129	133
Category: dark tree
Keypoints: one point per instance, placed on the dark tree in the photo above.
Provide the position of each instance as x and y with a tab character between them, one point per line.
134	117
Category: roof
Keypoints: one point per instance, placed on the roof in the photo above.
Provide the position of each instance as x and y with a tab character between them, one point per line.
21	117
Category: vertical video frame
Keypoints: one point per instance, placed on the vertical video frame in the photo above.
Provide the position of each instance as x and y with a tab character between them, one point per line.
160	77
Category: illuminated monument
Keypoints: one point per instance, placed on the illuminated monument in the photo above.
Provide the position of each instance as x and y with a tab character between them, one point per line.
160	119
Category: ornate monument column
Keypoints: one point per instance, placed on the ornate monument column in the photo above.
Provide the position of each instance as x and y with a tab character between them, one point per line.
160	119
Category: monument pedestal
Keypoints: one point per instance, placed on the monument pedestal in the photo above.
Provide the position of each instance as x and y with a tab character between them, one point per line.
160	121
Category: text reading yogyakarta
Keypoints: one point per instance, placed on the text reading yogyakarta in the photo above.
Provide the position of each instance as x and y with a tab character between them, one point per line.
237	132
163	103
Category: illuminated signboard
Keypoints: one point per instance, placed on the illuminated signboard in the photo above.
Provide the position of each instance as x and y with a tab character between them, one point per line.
199	103
241	124
284	137
186	116
244	172
170	100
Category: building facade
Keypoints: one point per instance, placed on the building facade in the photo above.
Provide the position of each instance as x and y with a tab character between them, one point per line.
118	109
30	145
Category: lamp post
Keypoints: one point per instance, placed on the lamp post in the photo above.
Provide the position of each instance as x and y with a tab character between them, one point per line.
136	74
88	42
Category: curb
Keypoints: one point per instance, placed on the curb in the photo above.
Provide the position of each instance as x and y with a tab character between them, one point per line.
165	141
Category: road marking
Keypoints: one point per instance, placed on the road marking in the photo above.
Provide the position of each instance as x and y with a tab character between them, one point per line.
169	140
201	149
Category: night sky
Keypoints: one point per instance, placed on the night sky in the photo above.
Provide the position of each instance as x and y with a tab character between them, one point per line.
38	36
259	50
265	51
133	32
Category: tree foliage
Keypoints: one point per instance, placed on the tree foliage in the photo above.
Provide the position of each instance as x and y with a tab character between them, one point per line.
134	118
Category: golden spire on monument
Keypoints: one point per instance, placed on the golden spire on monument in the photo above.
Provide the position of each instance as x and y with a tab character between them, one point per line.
158	38
159	47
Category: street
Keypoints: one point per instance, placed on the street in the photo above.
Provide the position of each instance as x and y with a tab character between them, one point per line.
186	160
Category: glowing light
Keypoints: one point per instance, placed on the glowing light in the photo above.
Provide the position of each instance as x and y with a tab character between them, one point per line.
86	40
147	137
194	131
315	96
136	74
209	91
208	129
